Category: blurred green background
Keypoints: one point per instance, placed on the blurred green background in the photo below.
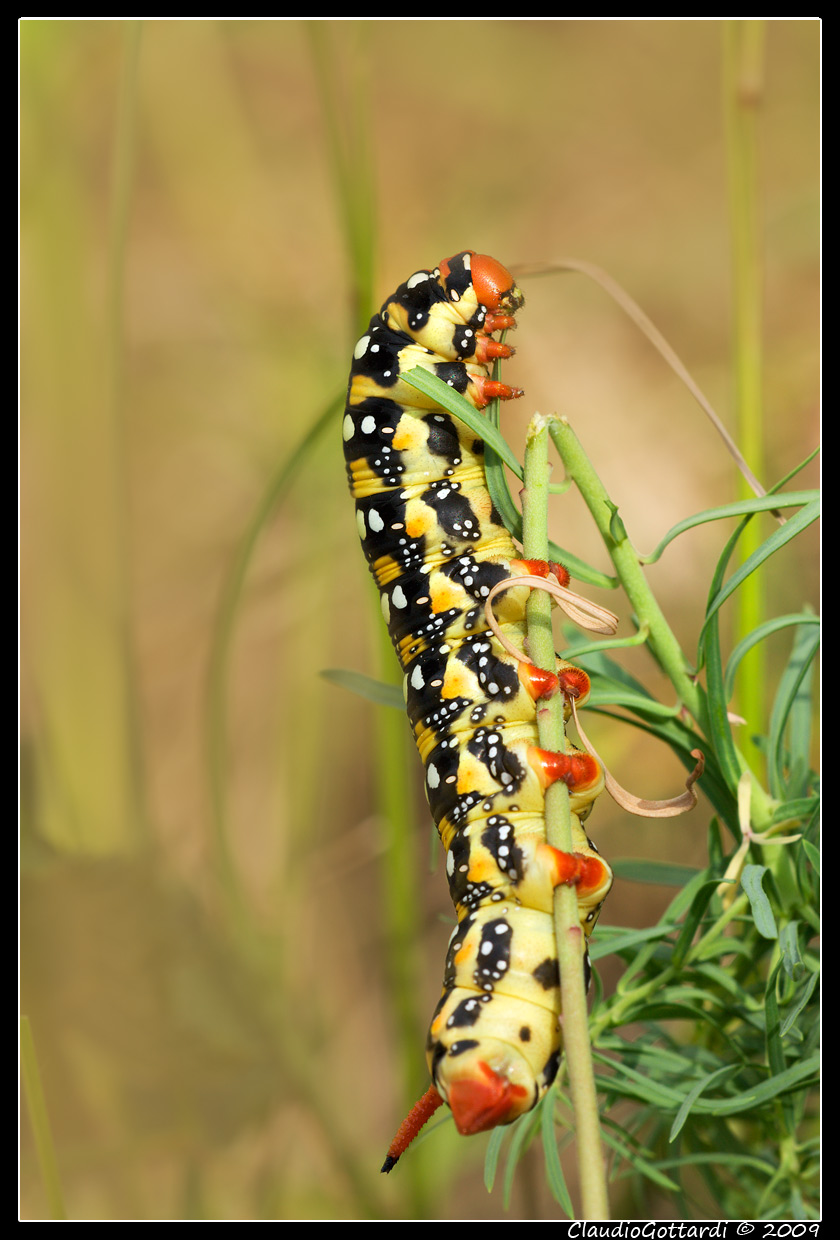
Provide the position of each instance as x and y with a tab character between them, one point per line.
203	954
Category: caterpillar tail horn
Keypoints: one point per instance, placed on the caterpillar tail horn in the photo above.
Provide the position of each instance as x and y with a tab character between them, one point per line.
420	1114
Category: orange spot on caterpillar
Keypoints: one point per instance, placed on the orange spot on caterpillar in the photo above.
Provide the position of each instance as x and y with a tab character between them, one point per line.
577	770
540	568
537	683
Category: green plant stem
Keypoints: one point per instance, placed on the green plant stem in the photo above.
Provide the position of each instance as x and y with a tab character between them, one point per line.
570	947
664	645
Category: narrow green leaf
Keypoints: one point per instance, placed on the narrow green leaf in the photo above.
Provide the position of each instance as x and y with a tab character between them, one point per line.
772	1039
800	1004
639	1162
492	1155
637	870
759	503
553	1166
713	1078
612	940
797	1076
813	854
765	922
778	539
789	948
693	917
796	810
758	635
720	729
787	777
523	1132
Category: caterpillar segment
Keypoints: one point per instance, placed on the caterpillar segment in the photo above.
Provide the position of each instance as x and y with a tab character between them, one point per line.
436	547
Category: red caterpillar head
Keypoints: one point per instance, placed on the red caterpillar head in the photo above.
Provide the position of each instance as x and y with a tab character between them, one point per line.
491	284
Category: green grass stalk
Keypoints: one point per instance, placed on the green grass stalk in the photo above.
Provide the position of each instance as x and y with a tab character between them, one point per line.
36	1106
743	66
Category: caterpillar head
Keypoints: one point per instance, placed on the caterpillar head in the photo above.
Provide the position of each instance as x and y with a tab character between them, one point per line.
453	310
477	280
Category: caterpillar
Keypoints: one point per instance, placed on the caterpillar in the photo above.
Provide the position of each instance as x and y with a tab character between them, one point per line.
437	547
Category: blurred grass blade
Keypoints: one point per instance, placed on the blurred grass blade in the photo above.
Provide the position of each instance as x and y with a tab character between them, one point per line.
365	686
220	650
36	1107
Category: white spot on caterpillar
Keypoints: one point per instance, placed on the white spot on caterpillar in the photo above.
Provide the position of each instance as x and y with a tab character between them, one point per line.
348	428
417	677
361	347
368	425
450	863
360	523
398	598
432	776
386	608
375	521
419	277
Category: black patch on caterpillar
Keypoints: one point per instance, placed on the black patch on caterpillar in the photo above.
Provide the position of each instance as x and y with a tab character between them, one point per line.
463	892
418	294
461	1047
504	767
459	278
499	838
493	953
547	974
453	511
454	375
380	359
525	1034
466	1013
443	438
550	1070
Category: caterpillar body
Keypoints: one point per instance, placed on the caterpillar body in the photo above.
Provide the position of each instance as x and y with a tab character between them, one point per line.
436	548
